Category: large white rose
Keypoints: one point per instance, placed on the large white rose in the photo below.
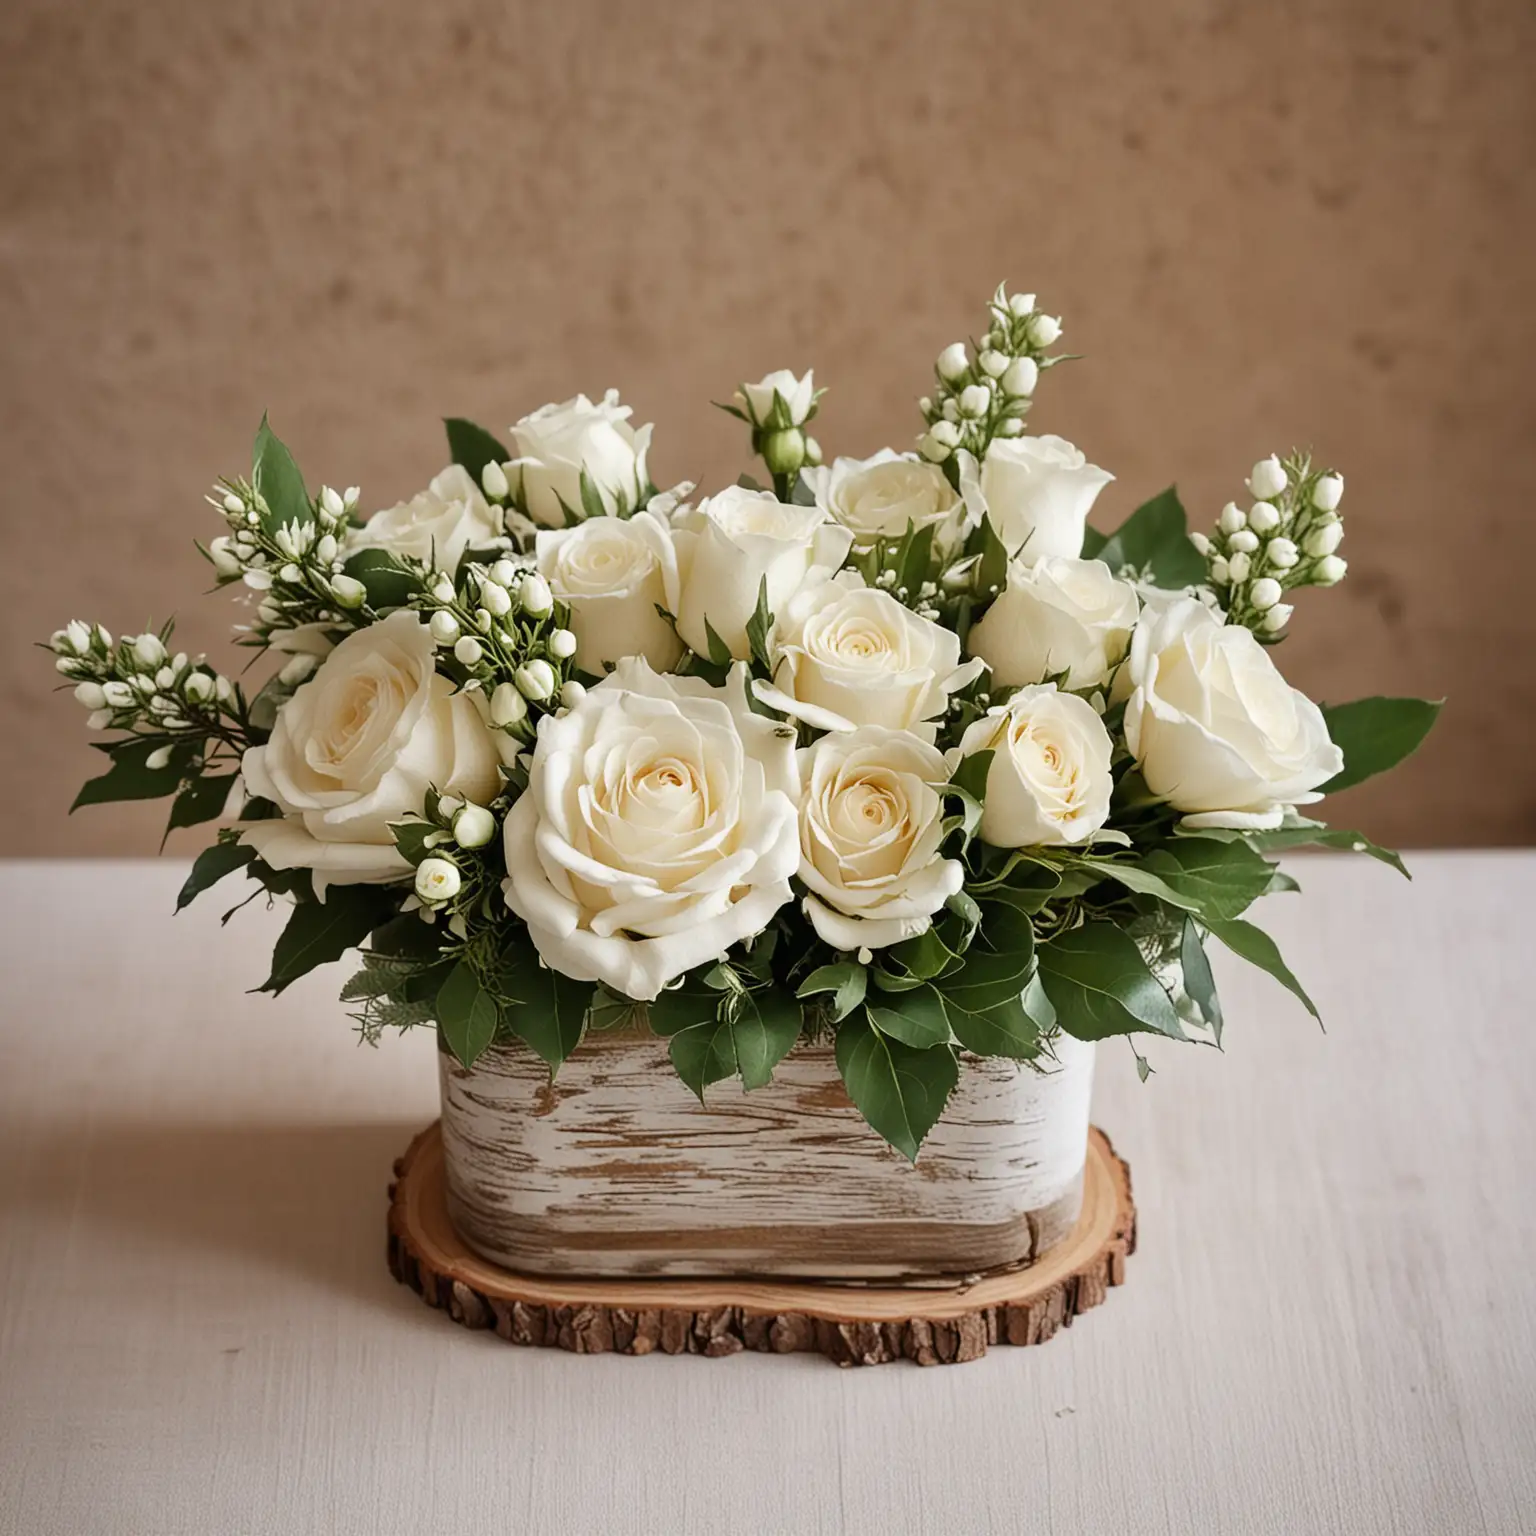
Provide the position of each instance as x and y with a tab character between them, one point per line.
1060	615
881	496
1037	492
614	572
1218	732
557	442
436	525
1049	781
846	655
657	829
871	823
357	747
734	541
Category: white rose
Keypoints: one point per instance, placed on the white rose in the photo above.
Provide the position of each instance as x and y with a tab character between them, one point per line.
613	572
1061	615
880	497
871	823
734	541
558	442
1049	780
435	526
798	395
657	829
1218	732
357	747
847	655
1037	491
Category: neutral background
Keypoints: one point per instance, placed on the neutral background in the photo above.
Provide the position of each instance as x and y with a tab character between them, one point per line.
1265	224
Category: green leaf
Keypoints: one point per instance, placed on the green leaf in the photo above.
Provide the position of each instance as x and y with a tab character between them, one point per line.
765	1026
1029	896
719	651
914	556
758	628
1199	983
412	839
1204	875
846	981
591	498
992	570
919	1021
322	931
703	1054
1376	734
211	866
970	775
1154	538
923	956
200	800
466	1013
901	1092
680	1008
387	582
131	778
991	977
1316	835
277	478
1100	986
1257	948
1093	542
473	446
550	1013
1013	1028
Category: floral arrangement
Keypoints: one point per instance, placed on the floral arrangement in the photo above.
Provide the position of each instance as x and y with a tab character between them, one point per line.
898	751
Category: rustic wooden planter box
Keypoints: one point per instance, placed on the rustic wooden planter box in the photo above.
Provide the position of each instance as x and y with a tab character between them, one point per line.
616	1170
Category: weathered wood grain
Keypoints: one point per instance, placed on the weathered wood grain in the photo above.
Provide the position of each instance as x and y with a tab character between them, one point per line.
616	1168
851	1325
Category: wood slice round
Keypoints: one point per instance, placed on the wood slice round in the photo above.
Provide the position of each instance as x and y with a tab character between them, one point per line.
850	1324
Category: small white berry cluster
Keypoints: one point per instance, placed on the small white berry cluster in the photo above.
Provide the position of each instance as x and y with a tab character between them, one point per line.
137	685
921	600
1287	538
985	391
506	635
297	569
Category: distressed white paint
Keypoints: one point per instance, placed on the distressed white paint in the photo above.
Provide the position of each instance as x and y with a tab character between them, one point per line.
617	1169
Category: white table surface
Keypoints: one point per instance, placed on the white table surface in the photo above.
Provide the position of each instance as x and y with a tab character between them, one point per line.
1329	1326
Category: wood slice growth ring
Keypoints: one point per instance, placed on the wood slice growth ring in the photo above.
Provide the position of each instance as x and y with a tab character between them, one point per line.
850	1324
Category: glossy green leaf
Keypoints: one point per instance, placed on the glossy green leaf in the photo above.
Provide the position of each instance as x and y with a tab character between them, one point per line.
321	931
201	799
1257	948
1376	734
1199	983
917	1019
387	582
466	1014
1013	1028
901	1092
1155	538
211	866
131	778
277	478
472	446
1100	985
846	981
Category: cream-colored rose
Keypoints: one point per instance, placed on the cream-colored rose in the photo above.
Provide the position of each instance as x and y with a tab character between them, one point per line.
614	573
871	823
734	541
1037	492
847	655
882	496
1049	782
657	829
357	747
1217	731
1060	615
558	442
435	526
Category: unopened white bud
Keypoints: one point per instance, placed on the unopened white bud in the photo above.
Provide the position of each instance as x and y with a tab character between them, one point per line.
975	400
223	689
103	637
348	591
325	549
507	705
117	695
468	650
283	538
562	644
483	621
258	581
1277	618
571	694
953	363
496	600
1268	479
165	678
473	826
494	478
504	573
291	574
946	432
993	364
349	497
332	502
91	696
1201	543
159	758
1330	570
233	503
1245	539
1221	572
1263	517
1043	330
224	561
1265	594
437	880
99	719
1010	426
269	612
812	452
1324	539
148	650
1232	518
199	686
1022	376
1328	492
1282	554
925	405
933	449
535	680
296	669
950	410
444	627
443	590
534	596
1239	565
1021	304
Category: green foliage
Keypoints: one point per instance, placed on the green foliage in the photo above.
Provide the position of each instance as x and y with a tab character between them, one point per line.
900	1091
1154	539
845	980
466	1013
1100	985
918	1021
473	446
759	627
717	1033
321	931
201	799
1199	983
1376	734
545	1010
211	866
1014	1027
387	582
1257	948
1212	878
276	478
131	778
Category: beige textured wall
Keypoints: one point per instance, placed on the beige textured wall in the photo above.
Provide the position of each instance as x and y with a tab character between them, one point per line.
1264	223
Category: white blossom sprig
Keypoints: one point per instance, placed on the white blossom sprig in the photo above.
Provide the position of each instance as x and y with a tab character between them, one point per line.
985	390
1287	538
778	408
